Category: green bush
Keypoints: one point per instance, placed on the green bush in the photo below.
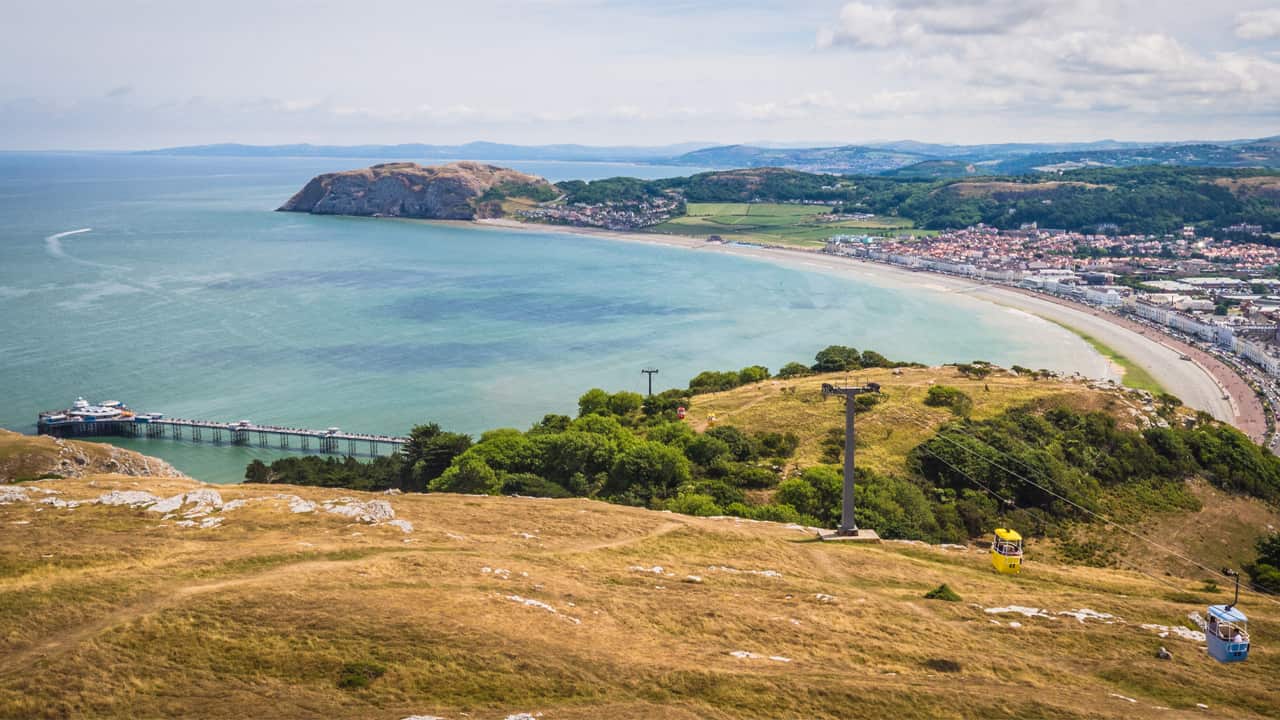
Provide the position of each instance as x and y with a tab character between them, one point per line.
952	398
942	592
694	504
356	675
794	370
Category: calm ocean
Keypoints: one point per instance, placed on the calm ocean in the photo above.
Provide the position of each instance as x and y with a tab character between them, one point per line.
170	284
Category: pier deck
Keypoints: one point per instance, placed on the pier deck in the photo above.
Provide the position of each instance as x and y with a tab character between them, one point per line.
235	433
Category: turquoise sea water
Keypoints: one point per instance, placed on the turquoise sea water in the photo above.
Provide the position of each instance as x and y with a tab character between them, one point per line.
185	294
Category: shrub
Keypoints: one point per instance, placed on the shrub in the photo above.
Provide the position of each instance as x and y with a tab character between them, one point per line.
780	445
794	370
942	665
946	396
694	504
942	592
532	485
705	450
741	447
468	474
355	675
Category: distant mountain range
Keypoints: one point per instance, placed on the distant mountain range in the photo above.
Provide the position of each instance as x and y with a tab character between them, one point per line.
903	158
419	151
915	159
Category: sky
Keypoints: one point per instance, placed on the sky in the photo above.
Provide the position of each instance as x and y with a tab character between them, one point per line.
129	74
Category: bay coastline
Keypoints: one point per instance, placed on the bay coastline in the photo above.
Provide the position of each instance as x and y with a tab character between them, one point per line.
1203	383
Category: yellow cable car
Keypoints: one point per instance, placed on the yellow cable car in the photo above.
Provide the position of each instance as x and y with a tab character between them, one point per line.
1006	551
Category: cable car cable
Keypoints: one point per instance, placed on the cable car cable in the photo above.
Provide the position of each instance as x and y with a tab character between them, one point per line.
1098	516
1122	561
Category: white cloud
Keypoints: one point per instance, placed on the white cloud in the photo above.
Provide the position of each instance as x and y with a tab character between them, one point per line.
589	71
1079	56
1258	24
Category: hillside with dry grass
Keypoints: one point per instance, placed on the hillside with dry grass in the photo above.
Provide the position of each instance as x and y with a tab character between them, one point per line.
23	457
889	430
126	598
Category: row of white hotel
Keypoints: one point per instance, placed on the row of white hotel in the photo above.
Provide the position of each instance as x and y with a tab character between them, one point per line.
1255	341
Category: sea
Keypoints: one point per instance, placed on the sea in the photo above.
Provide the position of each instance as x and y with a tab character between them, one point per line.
170	283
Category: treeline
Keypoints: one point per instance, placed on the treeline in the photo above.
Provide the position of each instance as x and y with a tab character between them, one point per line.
616	190
962	480
622	447
540	192
1147	199
1134	200
833	358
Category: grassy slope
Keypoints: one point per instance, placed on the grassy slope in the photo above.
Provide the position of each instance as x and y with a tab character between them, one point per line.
28	457
889	430
771	223
110	612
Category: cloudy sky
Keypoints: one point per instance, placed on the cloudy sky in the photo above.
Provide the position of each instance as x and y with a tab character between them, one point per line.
137	73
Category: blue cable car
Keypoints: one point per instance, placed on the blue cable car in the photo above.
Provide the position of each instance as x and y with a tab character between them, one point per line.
1227	630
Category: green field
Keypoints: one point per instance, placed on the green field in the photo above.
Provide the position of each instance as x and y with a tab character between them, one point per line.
775	223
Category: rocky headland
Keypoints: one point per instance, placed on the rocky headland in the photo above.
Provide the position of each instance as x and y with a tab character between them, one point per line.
23	457
456	191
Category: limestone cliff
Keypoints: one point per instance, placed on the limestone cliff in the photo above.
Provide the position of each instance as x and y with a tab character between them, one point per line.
456	191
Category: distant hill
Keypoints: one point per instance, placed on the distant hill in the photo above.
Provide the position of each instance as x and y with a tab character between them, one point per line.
843	159
457	191
419	151
927	160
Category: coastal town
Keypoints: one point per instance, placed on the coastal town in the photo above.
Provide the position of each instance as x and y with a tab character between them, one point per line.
607	215
1220	295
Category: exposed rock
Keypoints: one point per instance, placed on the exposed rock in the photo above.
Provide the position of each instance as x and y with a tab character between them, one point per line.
439	192
131	498
1164	654
373	511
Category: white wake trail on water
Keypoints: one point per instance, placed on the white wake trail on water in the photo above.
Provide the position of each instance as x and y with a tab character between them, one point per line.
53	244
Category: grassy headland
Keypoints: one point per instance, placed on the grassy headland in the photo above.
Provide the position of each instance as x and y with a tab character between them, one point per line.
494	606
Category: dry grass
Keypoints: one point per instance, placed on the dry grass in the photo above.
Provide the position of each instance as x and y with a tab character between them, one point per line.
891	429
26	457
109	612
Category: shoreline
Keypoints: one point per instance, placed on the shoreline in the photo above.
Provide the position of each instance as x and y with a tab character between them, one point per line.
1204	382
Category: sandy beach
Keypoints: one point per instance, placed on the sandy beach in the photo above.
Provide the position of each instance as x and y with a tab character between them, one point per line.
1203	382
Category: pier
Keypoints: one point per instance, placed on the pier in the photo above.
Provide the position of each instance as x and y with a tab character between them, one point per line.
114	419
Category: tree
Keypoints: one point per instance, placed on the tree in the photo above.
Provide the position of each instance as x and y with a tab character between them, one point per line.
1265	571
625	403
871	358
647	471
740	445
794	370
470	474
551	424
593	402
428	453
753	373
257	472
705	450
573	453
507	450
835	358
